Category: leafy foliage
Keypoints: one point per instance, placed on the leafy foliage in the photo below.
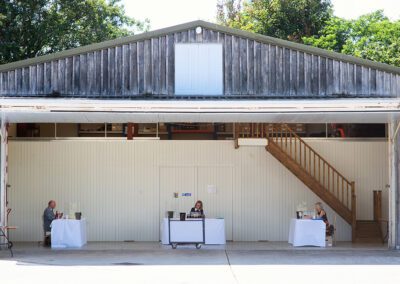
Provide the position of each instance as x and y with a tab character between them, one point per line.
333	36
228	12
372	36
29	28
286	19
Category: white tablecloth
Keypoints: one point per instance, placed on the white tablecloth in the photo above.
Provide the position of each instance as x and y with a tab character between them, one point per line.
189	231
68	233
305	232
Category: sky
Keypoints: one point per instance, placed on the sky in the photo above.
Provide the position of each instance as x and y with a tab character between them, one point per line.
165	13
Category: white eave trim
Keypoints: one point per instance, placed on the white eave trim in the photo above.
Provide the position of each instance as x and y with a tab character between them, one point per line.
89	110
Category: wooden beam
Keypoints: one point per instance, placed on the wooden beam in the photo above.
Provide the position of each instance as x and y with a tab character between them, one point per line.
133	130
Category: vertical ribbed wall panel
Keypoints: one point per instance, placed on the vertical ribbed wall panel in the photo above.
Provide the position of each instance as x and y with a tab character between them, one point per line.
123	188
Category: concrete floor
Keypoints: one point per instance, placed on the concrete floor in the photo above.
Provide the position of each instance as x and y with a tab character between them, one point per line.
237	262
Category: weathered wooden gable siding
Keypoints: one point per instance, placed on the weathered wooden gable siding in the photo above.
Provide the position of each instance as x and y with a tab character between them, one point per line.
146	69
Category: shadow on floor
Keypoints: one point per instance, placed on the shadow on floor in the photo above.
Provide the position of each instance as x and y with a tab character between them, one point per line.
235	253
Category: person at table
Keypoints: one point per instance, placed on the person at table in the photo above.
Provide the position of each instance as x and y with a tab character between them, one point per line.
197	209
321	214
49	215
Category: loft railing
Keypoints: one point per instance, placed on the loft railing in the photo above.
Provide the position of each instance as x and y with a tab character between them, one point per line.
304	155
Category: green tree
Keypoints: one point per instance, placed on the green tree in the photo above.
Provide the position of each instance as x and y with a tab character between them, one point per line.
372	36
228	12
286	19
30	28
333	36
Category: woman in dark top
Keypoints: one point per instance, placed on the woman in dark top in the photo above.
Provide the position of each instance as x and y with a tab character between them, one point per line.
321	212
322	215
198	209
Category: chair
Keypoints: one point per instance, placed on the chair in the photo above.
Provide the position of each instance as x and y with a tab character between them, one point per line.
4	233
331	232
47	239
46	242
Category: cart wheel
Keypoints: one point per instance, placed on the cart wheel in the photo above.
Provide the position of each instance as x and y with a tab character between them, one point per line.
10	245
174	246
198	246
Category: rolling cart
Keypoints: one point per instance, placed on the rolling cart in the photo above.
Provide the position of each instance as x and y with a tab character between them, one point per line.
190	231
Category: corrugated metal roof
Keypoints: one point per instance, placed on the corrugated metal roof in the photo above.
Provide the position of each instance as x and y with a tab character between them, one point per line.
194	24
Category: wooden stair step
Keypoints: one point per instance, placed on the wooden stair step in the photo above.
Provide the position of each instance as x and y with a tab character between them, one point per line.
368	231
366	222
368	240
368	234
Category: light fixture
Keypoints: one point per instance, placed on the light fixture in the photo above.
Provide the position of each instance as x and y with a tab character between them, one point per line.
199	30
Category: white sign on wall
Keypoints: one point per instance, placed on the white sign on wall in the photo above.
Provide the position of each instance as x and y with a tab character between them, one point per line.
198	69
212	189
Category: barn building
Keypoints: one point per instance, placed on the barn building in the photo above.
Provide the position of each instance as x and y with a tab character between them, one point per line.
254	126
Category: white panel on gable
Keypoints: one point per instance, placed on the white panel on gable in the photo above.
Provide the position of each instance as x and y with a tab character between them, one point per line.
198	69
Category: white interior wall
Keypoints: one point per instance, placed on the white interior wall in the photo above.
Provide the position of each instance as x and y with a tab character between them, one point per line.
123	188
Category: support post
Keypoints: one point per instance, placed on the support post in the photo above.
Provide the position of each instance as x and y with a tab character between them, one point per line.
236	130
3	173
394	189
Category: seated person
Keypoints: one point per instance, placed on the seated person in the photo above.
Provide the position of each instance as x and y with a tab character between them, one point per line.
48	217
197	209
321	214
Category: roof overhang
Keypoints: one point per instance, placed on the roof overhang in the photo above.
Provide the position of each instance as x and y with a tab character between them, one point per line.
146	111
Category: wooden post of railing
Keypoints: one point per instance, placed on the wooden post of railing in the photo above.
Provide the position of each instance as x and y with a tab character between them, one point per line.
329	179
237	133
319	171
342	190
286	140
314	167
257	133
353	212
301	164
272	132
337	185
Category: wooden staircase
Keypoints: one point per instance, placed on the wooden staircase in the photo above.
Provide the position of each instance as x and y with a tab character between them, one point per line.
309	166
